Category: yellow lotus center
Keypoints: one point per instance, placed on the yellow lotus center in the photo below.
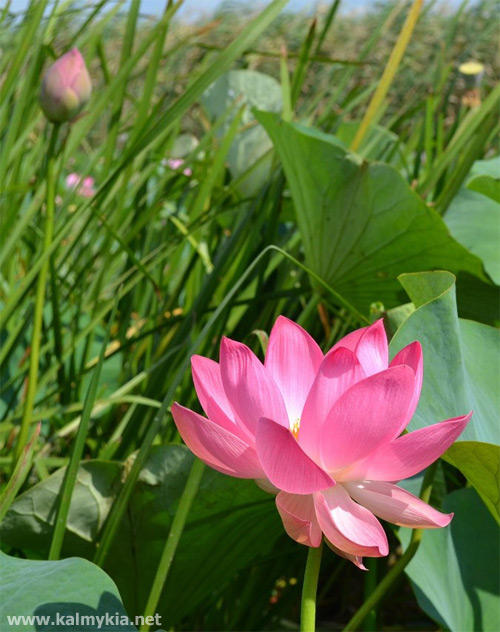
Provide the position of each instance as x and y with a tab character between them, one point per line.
295	427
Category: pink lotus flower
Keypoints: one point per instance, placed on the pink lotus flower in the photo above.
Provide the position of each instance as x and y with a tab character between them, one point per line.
65	88
83	186
322	432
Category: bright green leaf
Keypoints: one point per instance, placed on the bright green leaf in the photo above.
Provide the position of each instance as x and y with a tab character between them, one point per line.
474	221
480	463
461	368
361	224
487	186
461	358
455	571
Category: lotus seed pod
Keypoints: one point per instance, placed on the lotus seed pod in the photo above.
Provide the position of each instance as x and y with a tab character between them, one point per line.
66	87
472	72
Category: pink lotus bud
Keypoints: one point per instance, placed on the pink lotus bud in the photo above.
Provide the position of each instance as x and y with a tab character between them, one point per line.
66	87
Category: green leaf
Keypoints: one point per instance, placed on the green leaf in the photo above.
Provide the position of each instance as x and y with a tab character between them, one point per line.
29	522
361	224
454	573
489	167
487	186
480	463
460	357
253	89
231	516
65	591
474	221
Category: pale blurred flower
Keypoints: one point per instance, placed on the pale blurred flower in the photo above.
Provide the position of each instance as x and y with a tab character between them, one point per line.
83	186
175	164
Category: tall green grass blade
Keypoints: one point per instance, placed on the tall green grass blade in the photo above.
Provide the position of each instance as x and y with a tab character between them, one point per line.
68	484
19	474
302	63
388	74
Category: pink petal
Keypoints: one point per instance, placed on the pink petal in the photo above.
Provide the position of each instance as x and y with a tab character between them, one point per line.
208	384
407	455
299	518
339	371
411	355
357	560
365	416
396	505
284	463
250	389
351	340
215	445
349	526
370	346
292	359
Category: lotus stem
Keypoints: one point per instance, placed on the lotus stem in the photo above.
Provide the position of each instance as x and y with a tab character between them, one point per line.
40	297
309	589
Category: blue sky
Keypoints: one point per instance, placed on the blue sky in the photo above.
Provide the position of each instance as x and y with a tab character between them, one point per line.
195	8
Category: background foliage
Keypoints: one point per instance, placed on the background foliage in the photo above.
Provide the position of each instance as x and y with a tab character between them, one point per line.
277	214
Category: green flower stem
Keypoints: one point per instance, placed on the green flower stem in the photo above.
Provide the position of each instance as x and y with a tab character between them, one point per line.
370	623
400	565
190	490
39	298
309	588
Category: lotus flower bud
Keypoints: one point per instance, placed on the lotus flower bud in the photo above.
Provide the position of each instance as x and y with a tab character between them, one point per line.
66	87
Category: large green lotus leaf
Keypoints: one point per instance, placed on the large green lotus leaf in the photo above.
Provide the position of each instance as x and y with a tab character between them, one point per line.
63	592
461	358
254	89
486	185
488	167
233	517
361	224
455	571
28	524
480	463
461	368
474	221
